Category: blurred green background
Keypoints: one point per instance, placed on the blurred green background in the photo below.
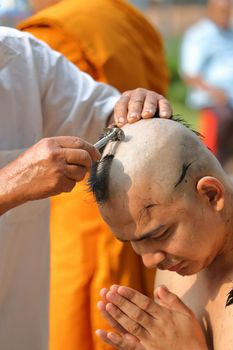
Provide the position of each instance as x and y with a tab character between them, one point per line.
177	89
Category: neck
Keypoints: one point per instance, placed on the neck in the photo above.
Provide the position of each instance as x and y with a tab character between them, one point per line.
222	20
225	256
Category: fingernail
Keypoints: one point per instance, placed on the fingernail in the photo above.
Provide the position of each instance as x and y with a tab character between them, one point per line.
114	287
103	291
163	114
147	112
99	332
115	338
121	120
111	296
99	304
133	115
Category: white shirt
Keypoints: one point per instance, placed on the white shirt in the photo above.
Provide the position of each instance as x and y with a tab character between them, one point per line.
207	51
41	94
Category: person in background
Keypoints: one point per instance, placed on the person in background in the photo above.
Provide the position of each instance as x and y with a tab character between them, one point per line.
206	67
113	42
44	97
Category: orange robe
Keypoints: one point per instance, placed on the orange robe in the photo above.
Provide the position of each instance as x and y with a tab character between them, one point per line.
114	43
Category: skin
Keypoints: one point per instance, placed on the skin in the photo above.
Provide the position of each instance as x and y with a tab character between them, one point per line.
37	5
185	227
219	12
54	165
51	166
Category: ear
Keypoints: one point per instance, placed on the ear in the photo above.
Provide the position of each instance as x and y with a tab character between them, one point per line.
213	190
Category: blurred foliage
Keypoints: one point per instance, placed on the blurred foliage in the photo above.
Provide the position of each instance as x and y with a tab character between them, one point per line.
177	88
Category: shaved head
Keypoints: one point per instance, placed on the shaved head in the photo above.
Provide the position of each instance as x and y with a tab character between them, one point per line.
156	151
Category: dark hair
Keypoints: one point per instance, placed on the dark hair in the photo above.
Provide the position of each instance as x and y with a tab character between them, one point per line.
98	180
229	298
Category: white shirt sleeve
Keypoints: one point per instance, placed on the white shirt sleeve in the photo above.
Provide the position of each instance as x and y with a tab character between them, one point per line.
72	102
193	54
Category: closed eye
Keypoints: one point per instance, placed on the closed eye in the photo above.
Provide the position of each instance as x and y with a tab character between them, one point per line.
164	235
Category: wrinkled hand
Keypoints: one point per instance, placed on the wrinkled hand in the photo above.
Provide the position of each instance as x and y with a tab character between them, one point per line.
122	339
166	323
140	103
51	166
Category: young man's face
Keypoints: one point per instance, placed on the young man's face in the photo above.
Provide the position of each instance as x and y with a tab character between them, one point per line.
181	233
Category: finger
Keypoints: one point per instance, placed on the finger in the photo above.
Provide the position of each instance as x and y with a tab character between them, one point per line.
156	104
77	157
114	288
103	293
111	321
172	301
128	324
131	310
135	106
118	341
66	186
164	108
142	301
150	105
121	109
157	298
123	342
76	142
75	172
103	336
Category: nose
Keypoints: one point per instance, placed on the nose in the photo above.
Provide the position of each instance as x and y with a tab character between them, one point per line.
151	260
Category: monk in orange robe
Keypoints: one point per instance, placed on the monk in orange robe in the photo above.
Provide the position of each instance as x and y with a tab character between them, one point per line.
113	42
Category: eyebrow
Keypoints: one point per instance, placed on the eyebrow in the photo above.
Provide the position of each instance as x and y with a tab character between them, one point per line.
144	236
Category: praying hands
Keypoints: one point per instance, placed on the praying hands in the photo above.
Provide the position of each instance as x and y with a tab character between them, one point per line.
144	324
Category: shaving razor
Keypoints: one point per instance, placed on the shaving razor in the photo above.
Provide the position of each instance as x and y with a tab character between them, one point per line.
110	134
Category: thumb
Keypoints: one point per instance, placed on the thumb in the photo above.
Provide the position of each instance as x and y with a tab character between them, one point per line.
171	300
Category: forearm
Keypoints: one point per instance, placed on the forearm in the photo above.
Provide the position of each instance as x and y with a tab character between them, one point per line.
10	195
218	95
198	82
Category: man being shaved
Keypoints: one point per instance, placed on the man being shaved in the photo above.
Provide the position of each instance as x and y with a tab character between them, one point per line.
164	191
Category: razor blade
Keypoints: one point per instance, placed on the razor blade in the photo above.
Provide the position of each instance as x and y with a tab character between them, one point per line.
110	134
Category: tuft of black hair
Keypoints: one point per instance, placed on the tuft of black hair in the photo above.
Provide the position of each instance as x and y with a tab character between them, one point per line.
229	298
178	118
99	177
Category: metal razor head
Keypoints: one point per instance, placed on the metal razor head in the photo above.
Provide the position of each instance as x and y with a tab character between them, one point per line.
116	134
110	134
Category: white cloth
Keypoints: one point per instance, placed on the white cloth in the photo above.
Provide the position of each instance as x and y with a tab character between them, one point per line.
41	94
207	51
